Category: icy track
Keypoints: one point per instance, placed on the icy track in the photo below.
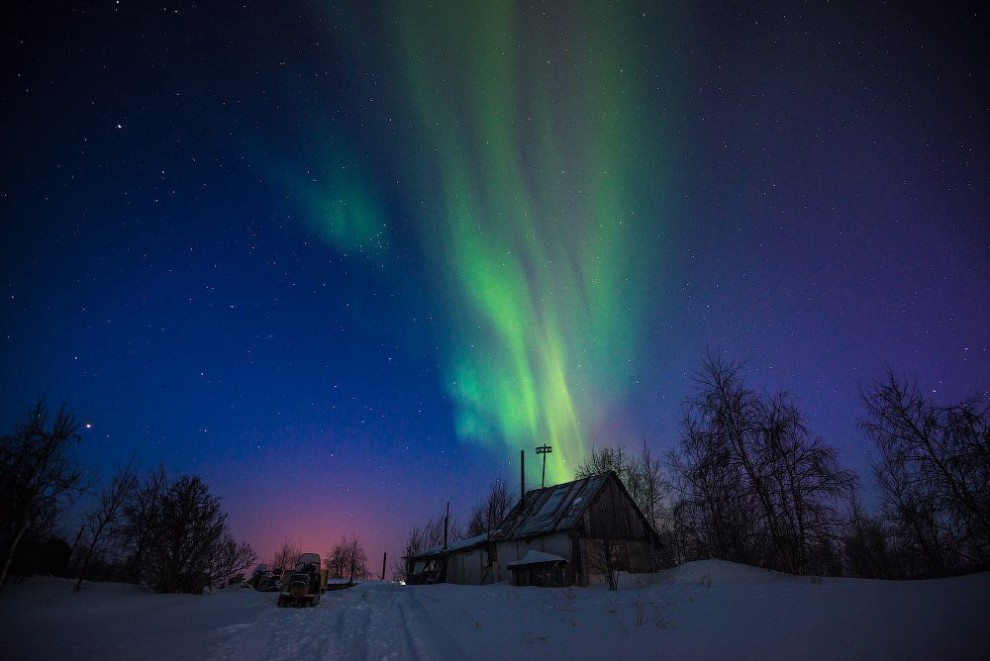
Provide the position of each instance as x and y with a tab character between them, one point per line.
701	610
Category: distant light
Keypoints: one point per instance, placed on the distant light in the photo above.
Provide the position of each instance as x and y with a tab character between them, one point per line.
89	425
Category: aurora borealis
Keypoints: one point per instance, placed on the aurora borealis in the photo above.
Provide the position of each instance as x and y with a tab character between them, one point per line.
542	223
345	260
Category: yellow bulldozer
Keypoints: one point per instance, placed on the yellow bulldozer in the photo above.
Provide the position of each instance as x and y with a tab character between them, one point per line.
304	585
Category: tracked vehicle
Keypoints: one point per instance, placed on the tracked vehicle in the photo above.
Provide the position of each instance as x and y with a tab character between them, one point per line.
302	587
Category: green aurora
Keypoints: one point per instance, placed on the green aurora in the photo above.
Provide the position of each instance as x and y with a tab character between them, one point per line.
544	165
535	180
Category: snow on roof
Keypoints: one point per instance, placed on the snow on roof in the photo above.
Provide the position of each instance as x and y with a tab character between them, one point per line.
552	509
307	558
547	511
534	557
456	545
467	541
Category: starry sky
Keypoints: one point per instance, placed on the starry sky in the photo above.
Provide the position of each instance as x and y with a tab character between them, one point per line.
346	259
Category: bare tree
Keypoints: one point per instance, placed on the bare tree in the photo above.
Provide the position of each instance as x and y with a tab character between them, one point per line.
933	470
186	542
715	515
802	488
416	543
603	460
436	531
641	474
865	546
38	470
478	521
755	485
103	523
347	558
139	518
602	559
652	489
488	514
286	556
228	558
336	561
432	535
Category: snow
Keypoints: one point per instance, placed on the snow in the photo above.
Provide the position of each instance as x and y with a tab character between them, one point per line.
709	609
534	557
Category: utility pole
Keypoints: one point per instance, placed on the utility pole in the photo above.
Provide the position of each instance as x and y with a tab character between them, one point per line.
522	478
544	450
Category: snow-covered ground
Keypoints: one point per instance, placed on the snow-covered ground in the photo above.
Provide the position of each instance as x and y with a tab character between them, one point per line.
708	610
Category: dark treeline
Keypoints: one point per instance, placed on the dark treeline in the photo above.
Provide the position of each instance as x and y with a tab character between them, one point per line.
749	482
168	533
932	470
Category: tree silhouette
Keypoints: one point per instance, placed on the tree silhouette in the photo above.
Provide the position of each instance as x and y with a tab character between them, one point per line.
186	542
38	471
103	523
933	471
347	559
756	486
286	556
487	514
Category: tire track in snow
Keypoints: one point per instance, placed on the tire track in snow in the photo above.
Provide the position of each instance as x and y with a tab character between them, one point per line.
396	630
372	621
427	638
278	633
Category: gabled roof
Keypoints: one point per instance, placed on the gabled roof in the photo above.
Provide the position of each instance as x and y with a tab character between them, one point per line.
552	509
547	511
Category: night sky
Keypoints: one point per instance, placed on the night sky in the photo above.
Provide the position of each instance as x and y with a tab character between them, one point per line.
344	262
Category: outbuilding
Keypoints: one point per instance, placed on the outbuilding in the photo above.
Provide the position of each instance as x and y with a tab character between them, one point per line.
557	536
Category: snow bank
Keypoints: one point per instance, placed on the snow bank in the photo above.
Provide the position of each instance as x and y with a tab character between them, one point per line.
706	610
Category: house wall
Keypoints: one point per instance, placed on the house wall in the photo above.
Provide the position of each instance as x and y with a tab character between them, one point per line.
632	556
611	515
614	516
466	567
512	550
556	543
547	575
425	569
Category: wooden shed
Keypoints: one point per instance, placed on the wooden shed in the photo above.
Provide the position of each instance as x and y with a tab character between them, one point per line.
553	537
463	561
576	521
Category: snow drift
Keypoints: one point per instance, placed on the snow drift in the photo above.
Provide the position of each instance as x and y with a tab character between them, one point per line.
710	609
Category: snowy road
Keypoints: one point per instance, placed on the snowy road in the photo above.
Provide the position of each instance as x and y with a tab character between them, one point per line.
372	621
702	610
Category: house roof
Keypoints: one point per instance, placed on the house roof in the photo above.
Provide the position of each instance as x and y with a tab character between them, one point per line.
456	545
552	509
547	511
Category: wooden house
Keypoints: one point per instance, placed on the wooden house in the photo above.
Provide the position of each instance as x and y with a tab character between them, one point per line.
553	537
